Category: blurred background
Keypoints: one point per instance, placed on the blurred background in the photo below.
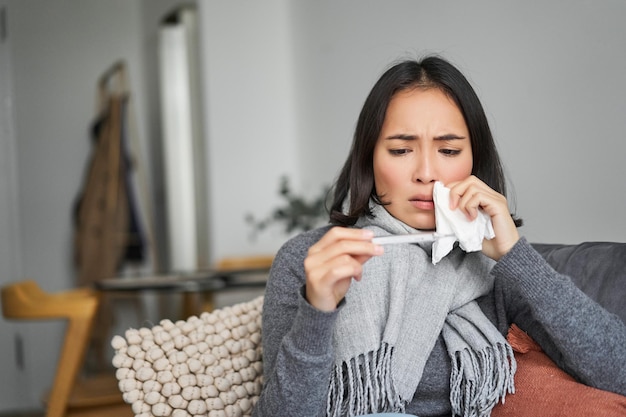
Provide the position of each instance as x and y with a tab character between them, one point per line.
278	87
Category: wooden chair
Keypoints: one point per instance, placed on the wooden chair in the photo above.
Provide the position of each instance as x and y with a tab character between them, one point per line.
25	300
245	262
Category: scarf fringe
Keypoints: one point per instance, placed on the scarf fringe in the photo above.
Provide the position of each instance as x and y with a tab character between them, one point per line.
364	385
480	379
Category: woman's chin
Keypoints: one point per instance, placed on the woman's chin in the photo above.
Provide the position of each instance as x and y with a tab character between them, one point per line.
423	225
419	221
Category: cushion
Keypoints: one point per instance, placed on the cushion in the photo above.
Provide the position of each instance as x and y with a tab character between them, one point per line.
543	389
208	365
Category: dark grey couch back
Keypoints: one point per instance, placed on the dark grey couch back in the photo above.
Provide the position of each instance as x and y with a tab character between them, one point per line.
597	268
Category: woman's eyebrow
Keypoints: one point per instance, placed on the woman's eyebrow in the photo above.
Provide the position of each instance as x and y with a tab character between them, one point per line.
406	136
450	136
401	136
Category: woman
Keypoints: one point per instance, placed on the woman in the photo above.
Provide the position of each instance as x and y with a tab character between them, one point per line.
351	328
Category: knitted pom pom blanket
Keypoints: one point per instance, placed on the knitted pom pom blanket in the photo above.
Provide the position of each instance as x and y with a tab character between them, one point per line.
209	365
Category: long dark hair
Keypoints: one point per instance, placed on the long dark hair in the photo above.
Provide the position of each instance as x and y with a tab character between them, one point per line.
356	179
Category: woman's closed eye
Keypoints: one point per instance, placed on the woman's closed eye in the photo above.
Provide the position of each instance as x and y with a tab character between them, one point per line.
450	152
399	152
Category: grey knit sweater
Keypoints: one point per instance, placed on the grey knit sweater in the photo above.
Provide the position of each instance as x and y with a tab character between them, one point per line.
579	335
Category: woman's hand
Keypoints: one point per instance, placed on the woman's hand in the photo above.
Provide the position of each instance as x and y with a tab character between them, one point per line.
471	194
332	263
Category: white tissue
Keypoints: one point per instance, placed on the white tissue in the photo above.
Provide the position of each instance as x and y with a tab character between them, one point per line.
457	227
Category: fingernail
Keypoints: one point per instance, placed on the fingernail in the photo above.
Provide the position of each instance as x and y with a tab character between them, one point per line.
379	250
368	234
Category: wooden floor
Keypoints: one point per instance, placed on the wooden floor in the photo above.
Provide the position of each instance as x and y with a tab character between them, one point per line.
96	396
122	411
23	413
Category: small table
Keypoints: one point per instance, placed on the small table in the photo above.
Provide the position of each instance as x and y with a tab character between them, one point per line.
205	282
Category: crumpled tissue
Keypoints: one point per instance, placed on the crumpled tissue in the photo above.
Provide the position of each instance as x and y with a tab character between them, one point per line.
453	226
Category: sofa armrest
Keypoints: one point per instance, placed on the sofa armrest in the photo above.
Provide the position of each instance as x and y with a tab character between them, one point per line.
597	268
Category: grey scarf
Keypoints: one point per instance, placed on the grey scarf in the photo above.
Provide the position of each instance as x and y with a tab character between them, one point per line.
392	319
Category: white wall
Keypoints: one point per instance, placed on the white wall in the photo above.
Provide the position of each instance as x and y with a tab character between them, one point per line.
284	84
250	117
58	54
550	76
9	216
59	49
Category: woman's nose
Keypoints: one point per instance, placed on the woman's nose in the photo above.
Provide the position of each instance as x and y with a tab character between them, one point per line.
424	170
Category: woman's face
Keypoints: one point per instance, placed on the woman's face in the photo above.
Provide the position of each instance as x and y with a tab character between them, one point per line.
424	139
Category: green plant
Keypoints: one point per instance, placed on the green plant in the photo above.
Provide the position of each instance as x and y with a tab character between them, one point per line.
297	214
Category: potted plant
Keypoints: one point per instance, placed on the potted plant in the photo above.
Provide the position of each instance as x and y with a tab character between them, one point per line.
297	214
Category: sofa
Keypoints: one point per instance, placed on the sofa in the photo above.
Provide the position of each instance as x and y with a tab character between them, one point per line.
541	388
211	365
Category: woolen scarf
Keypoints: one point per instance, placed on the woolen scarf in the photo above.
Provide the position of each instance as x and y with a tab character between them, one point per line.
392	318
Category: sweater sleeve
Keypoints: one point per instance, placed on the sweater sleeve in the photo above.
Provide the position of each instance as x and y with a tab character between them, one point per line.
583	338
297	341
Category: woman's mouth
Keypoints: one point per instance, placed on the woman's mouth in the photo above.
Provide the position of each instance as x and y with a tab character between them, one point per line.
422	203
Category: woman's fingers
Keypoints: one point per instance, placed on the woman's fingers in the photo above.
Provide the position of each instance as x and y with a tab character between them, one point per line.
340	241
332	263
472	194
337	234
